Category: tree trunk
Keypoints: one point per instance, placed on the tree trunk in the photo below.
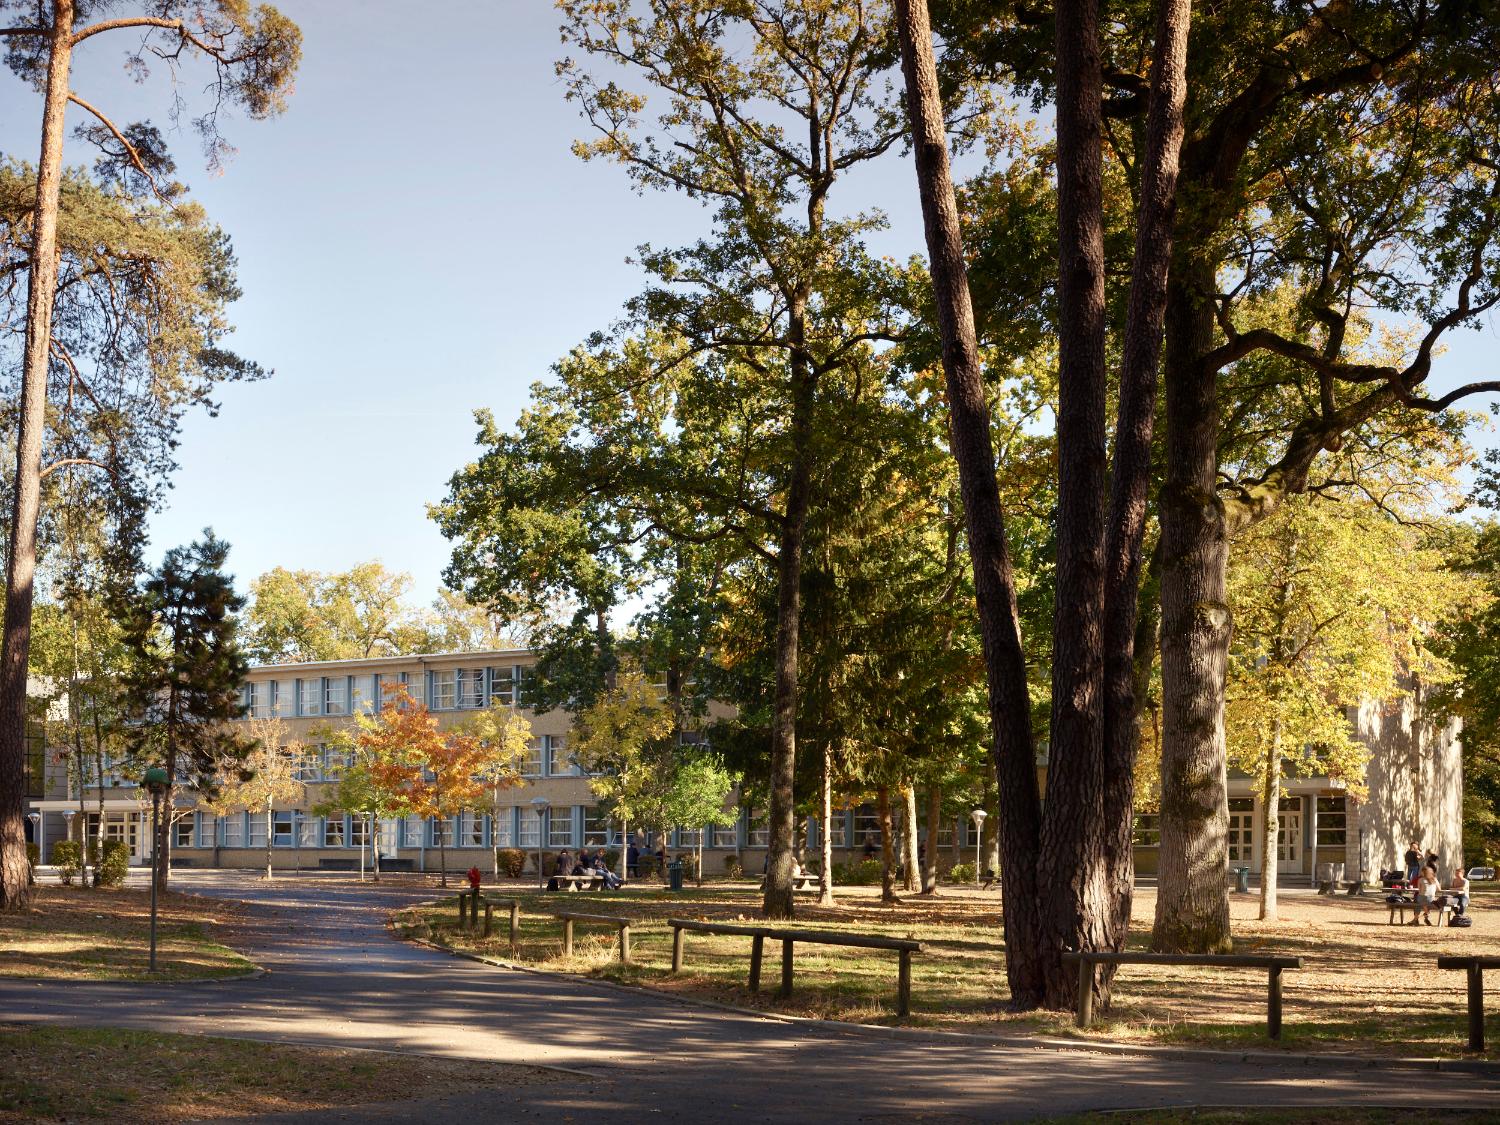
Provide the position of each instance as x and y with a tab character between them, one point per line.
1129	637
1070	857
1271	813
887	845
825	840
912	862
934	819
442	855
1192	906
374	833
973	452
777	901
15	645
268	841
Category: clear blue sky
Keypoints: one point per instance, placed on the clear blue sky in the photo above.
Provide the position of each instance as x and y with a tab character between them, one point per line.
415	240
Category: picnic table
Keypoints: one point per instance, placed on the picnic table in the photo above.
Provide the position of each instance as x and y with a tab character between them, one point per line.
579	882
801	881
1404	902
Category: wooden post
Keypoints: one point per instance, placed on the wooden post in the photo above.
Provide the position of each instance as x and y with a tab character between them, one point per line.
1476	1007
1085	992
786	967
903	985
567	937
474	908
677	949
757	946
625	943
515	924
1273	1003
489	919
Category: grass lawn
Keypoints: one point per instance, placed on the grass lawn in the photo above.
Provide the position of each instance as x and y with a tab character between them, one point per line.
72	1073
74	933
1366	986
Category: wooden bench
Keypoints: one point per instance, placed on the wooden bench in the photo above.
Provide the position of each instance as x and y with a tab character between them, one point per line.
1273	965
804	881
572	883
904	947
1398	911
622	924
1475	967
468	912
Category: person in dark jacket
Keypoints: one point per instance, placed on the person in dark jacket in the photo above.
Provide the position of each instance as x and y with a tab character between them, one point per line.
1413	858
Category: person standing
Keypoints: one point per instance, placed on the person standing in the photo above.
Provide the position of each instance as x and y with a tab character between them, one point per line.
1413	860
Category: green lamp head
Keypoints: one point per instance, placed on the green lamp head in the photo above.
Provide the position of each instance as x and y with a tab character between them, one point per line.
155	779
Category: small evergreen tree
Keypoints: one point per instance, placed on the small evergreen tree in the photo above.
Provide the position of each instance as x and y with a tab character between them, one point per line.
182	686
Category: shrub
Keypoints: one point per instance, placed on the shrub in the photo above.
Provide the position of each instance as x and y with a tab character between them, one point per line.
33	857
865	873
67	857
115	865
961	873
646	865
733	867
612	858
512	862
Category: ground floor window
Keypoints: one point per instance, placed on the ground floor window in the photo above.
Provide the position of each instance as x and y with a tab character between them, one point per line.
759	835
182	831
595	827
359	830
1241	829
257	829
414	831
307	831
282	826
726	836
502	831
531	827
1332	822
442	832
207	829
1147	832
471	830
234	831
333	832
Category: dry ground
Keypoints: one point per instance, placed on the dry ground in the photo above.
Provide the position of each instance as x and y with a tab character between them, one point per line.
76	933
1366	986
71	1074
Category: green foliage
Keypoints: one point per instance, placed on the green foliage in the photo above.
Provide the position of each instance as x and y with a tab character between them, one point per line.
114	867
511	862
33	858
961	873
860	873
67	857
734	868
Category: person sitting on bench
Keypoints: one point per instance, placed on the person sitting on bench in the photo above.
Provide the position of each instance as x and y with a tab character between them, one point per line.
611	880
1427	893
1458	891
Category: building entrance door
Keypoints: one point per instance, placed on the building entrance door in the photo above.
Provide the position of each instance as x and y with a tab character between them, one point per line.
1289	840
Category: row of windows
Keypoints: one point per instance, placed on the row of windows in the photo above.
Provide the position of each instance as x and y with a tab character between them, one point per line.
546	756
450	689
1333	819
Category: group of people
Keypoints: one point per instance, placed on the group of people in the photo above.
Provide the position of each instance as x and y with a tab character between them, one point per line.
1427	888
586	863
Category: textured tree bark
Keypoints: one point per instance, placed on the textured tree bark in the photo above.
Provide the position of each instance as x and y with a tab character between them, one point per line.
934	820
887	845
1070	856
1192	906
1000	631
777	901
20	576
1124	640
912	860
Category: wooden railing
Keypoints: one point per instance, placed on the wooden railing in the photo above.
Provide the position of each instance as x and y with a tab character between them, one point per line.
1475	967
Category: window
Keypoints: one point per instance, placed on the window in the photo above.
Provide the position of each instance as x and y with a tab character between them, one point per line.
471	687
307	831
364	695
1147	833
333	832
388	688
759	835
530	827
502	831
471	830
234	831
559	762
282	827
207	831
1241	828
595	827
390	836
414	831
688	837
442	831
284	698
560	828
309	763
836	827
336	761
258	699
336	695
531	764
182	832
358	831
1332	821
309	697
725	836
416	686
866	826
444	690
257	829
502	686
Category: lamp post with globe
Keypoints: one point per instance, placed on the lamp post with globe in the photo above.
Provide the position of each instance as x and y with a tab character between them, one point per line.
978	816
541	804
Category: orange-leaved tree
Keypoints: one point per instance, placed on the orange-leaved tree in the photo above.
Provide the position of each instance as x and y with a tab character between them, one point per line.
436	771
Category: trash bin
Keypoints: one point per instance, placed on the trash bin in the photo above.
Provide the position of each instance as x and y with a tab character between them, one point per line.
674	875
1242	879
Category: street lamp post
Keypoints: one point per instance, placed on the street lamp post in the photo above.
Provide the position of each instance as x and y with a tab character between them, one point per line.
978	816
36	836
155	780
541	804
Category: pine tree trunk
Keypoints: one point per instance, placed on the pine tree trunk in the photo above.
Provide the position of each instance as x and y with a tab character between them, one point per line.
973	452
912	862
777	900
1129	635
1271	812
887	845
1192	906
825	841
15	644
934	819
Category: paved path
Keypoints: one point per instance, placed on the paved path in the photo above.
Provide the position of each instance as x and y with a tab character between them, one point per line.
336	978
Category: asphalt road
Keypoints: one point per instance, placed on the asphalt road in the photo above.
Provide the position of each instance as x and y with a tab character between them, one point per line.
336	978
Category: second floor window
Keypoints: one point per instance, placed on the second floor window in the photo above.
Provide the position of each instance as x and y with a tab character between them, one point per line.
310	697
531	765
336	696
258	698
444	690
471	687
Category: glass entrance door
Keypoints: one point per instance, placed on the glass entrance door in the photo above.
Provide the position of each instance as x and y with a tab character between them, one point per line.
1289	838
